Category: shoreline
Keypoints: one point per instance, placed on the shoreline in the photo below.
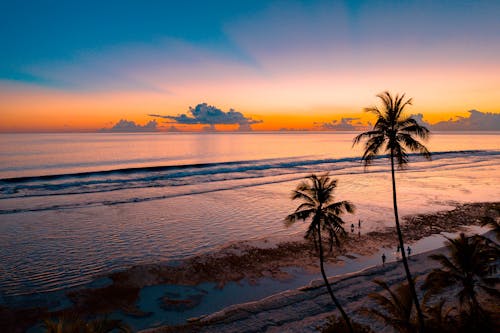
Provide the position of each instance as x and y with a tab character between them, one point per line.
246	261
306	308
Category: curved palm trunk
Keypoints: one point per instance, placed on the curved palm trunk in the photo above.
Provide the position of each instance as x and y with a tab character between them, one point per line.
334	299
411	284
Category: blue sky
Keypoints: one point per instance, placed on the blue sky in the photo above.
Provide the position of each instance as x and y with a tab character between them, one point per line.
47	31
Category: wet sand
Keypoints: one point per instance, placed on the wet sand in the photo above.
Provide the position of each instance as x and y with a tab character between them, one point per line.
305	309
250	261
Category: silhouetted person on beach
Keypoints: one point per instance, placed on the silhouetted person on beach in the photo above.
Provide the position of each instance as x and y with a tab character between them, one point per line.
383	259
352	227
409	251
397	250
359	224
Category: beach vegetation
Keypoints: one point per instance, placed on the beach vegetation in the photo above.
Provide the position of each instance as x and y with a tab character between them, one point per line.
335	324
493	224
75	324
396	309
468	269
318	204
395	135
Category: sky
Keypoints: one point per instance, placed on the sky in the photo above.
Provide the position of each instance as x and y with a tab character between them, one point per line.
270	65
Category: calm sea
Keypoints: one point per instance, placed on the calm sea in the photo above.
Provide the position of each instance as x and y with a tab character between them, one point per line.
74	206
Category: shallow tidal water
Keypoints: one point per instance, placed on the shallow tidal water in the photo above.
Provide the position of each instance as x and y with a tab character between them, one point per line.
172	196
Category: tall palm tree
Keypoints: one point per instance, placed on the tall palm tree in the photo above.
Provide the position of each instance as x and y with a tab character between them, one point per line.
468	267
316	194
395	134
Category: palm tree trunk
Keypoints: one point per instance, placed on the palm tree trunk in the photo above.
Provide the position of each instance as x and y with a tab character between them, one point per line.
334	299
411	284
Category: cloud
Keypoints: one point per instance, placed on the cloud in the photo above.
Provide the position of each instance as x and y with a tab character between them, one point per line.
345	124
477	121
130	126
205	114
419	118
173	128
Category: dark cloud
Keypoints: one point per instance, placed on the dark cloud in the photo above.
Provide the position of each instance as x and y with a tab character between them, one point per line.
419	118
210	115
130	126
345	124
172	129
477	121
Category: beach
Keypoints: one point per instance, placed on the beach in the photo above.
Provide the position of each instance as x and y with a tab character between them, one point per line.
251	264
156	239
170	166
306	309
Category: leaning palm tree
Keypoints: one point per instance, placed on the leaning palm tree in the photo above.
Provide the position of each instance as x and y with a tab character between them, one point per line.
466	267
316	194
395	134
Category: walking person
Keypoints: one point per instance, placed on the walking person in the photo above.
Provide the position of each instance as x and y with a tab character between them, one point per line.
352	227
409	251
383	259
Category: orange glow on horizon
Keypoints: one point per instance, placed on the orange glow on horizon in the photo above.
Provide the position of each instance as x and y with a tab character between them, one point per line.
287	101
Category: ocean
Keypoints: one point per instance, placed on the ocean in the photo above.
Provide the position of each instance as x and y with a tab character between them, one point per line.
76	206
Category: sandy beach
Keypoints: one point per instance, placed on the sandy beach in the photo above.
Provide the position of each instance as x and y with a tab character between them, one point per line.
307	308
251	263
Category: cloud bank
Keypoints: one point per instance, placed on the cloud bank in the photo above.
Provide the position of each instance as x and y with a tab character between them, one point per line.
210	115
125	126
344	124
477	121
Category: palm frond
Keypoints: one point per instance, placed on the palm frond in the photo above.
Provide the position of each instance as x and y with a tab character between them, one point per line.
298	215
413	144
393	130
397	308
411	127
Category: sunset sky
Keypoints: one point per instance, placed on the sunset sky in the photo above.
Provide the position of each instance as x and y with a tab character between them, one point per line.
84	65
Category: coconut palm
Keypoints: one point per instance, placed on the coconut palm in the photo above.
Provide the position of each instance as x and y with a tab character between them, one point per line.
316	194
494	225
395	135
467	266
397	309
438	319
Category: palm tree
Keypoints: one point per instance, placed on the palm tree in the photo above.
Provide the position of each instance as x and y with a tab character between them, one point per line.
468	267
397	308
316	194
493	224
397	311
394	134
